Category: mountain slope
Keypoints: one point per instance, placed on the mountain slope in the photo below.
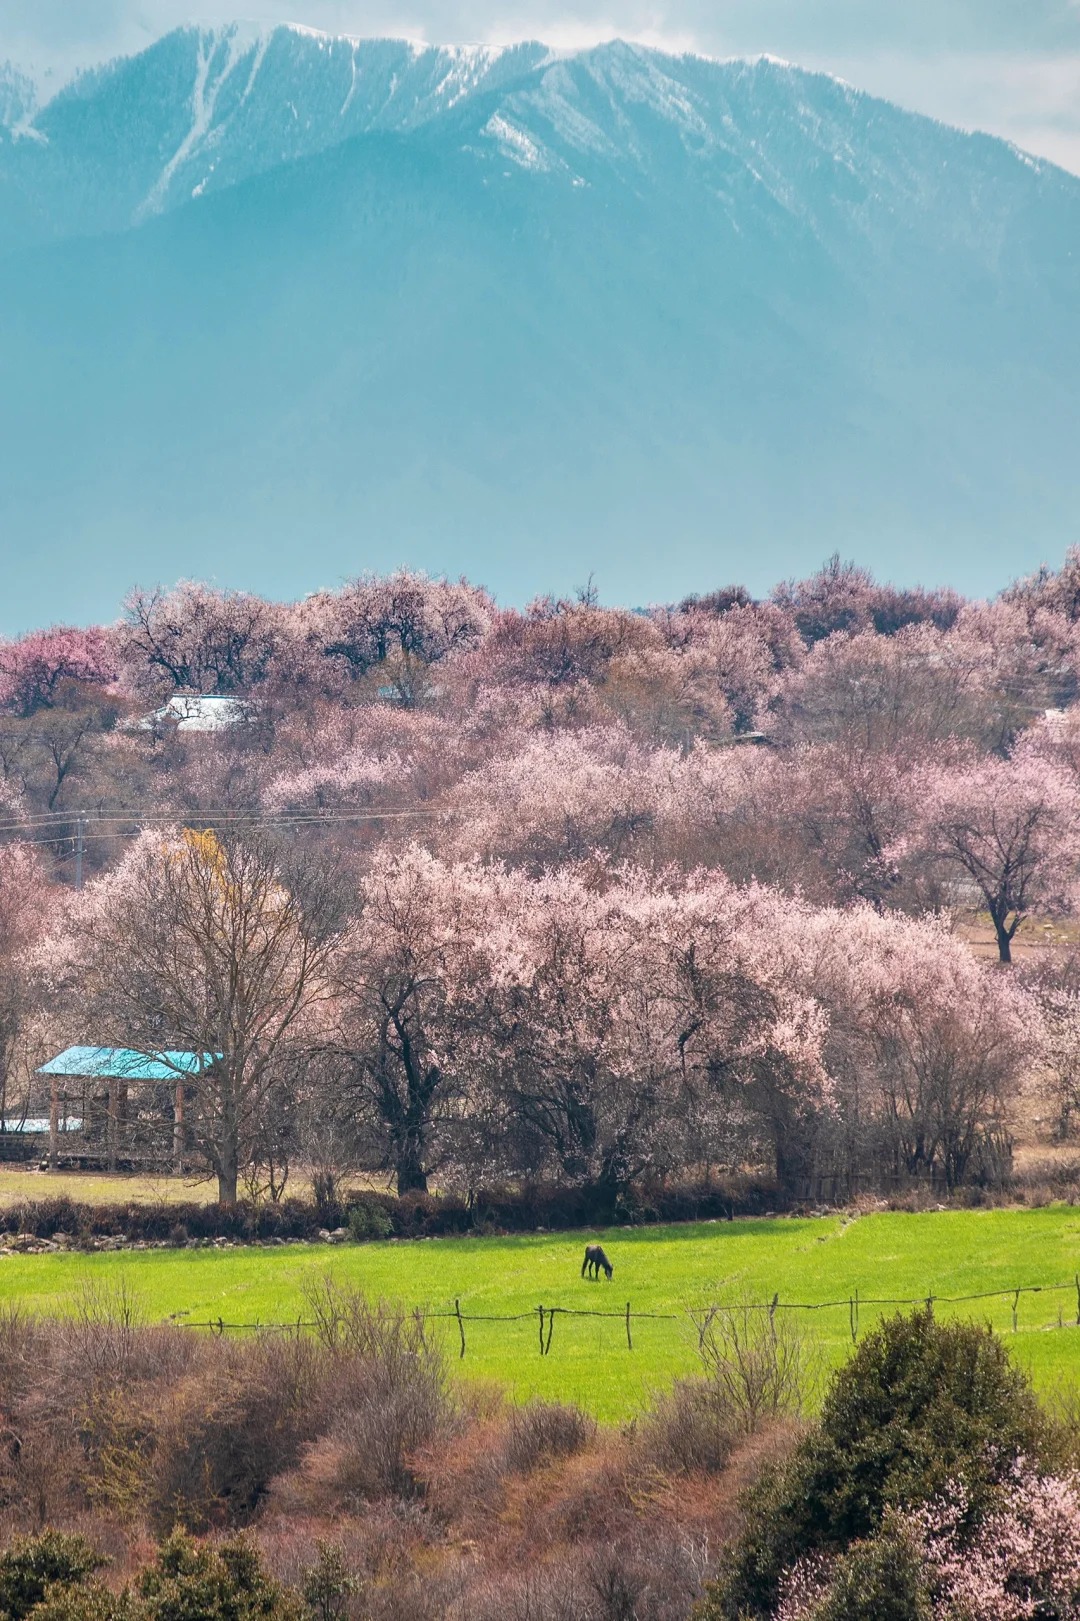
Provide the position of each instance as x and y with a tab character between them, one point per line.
666	319
203	109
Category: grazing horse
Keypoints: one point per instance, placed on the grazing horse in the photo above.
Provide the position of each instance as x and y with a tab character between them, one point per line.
595	1262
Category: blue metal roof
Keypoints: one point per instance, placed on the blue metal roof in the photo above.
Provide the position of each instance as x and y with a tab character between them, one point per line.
122	1064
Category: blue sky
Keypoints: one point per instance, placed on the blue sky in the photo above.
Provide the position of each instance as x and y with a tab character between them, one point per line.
1008	66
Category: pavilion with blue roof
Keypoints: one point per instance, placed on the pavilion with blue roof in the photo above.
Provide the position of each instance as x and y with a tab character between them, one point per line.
116	1106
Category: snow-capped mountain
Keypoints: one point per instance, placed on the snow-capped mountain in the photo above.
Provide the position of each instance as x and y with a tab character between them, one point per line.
205	108
520	312
18	98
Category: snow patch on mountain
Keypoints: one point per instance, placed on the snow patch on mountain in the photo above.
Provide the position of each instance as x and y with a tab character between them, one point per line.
256	96
468	66
515	144
18	100
203	98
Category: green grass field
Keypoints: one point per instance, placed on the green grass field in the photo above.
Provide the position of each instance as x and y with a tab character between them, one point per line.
656	1270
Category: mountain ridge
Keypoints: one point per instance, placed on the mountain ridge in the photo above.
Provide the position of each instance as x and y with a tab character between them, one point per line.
533	308
245	98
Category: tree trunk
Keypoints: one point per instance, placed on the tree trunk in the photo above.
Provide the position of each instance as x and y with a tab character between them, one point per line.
227	1153
606	1189
792	1149
411	1176
409	1145
1003	930
228	1173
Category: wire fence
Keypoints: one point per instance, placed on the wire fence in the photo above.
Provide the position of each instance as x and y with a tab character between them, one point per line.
700	1315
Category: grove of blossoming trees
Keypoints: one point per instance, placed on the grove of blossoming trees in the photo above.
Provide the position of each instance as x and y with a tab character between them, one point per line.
615	894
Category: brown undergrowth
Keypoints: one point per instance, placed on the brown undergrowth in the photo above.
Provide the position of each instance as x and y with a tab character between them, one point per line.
348	1453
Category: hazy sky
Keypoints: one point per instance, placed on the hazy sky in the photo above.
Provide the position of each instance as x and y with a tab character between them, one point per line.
1008	66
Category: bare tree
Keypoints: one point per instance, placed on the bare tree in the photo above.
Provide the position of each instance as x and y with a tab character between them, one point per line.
24	903
410	1040
220	947
755	1358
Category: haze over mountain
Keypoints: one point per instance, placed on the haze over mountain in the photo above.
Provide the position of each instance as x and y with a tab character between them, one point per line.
276	307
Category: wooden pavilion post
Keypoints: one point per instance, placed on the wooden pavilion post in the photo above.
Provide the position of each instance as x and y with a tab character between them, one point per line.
54	1120
178	1128
112	1123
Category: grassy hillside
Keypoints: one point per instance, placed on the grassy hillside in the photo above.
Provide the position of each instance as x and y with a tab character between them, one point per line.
661	1270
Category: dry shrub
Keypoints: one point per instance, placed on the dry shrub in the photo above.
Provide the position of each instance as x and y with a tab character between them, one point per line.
42	1439
755	1455
218	1437
690	1429
914	1200
472	1496
465	1471
555	1591
389	1537
1058	1175
464	1476
41	1483
389	1565
864	1204
171	1428
758	1363
104	1333
650	1575
349	1439
586	1500
20	1358
183	1431
105	1341
541	1431
389	1393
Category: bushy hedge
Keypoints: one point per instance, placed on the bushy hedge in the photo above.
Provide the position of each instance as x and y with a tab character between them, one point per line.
922	1410
186	1583
368	1215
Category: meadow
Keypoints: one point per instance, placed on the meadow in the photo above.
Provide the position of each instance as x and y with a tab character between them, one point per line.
657	1270
99	1187
19	1182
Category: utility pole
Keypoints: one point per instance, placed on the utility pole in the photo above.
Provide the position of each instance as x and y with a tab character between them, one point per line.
80	844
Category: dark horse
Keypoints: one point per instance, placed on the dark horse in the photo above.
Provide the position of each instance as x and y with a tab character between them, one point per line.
596	1262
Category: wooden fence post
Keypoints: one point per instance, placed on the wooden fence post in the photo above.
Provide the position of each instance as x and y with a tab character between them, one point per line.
629	1341
540	1309
461	1327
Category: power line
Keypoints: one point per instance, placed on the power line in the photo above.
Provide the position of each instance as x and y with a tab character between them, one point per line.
67	827
52	818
